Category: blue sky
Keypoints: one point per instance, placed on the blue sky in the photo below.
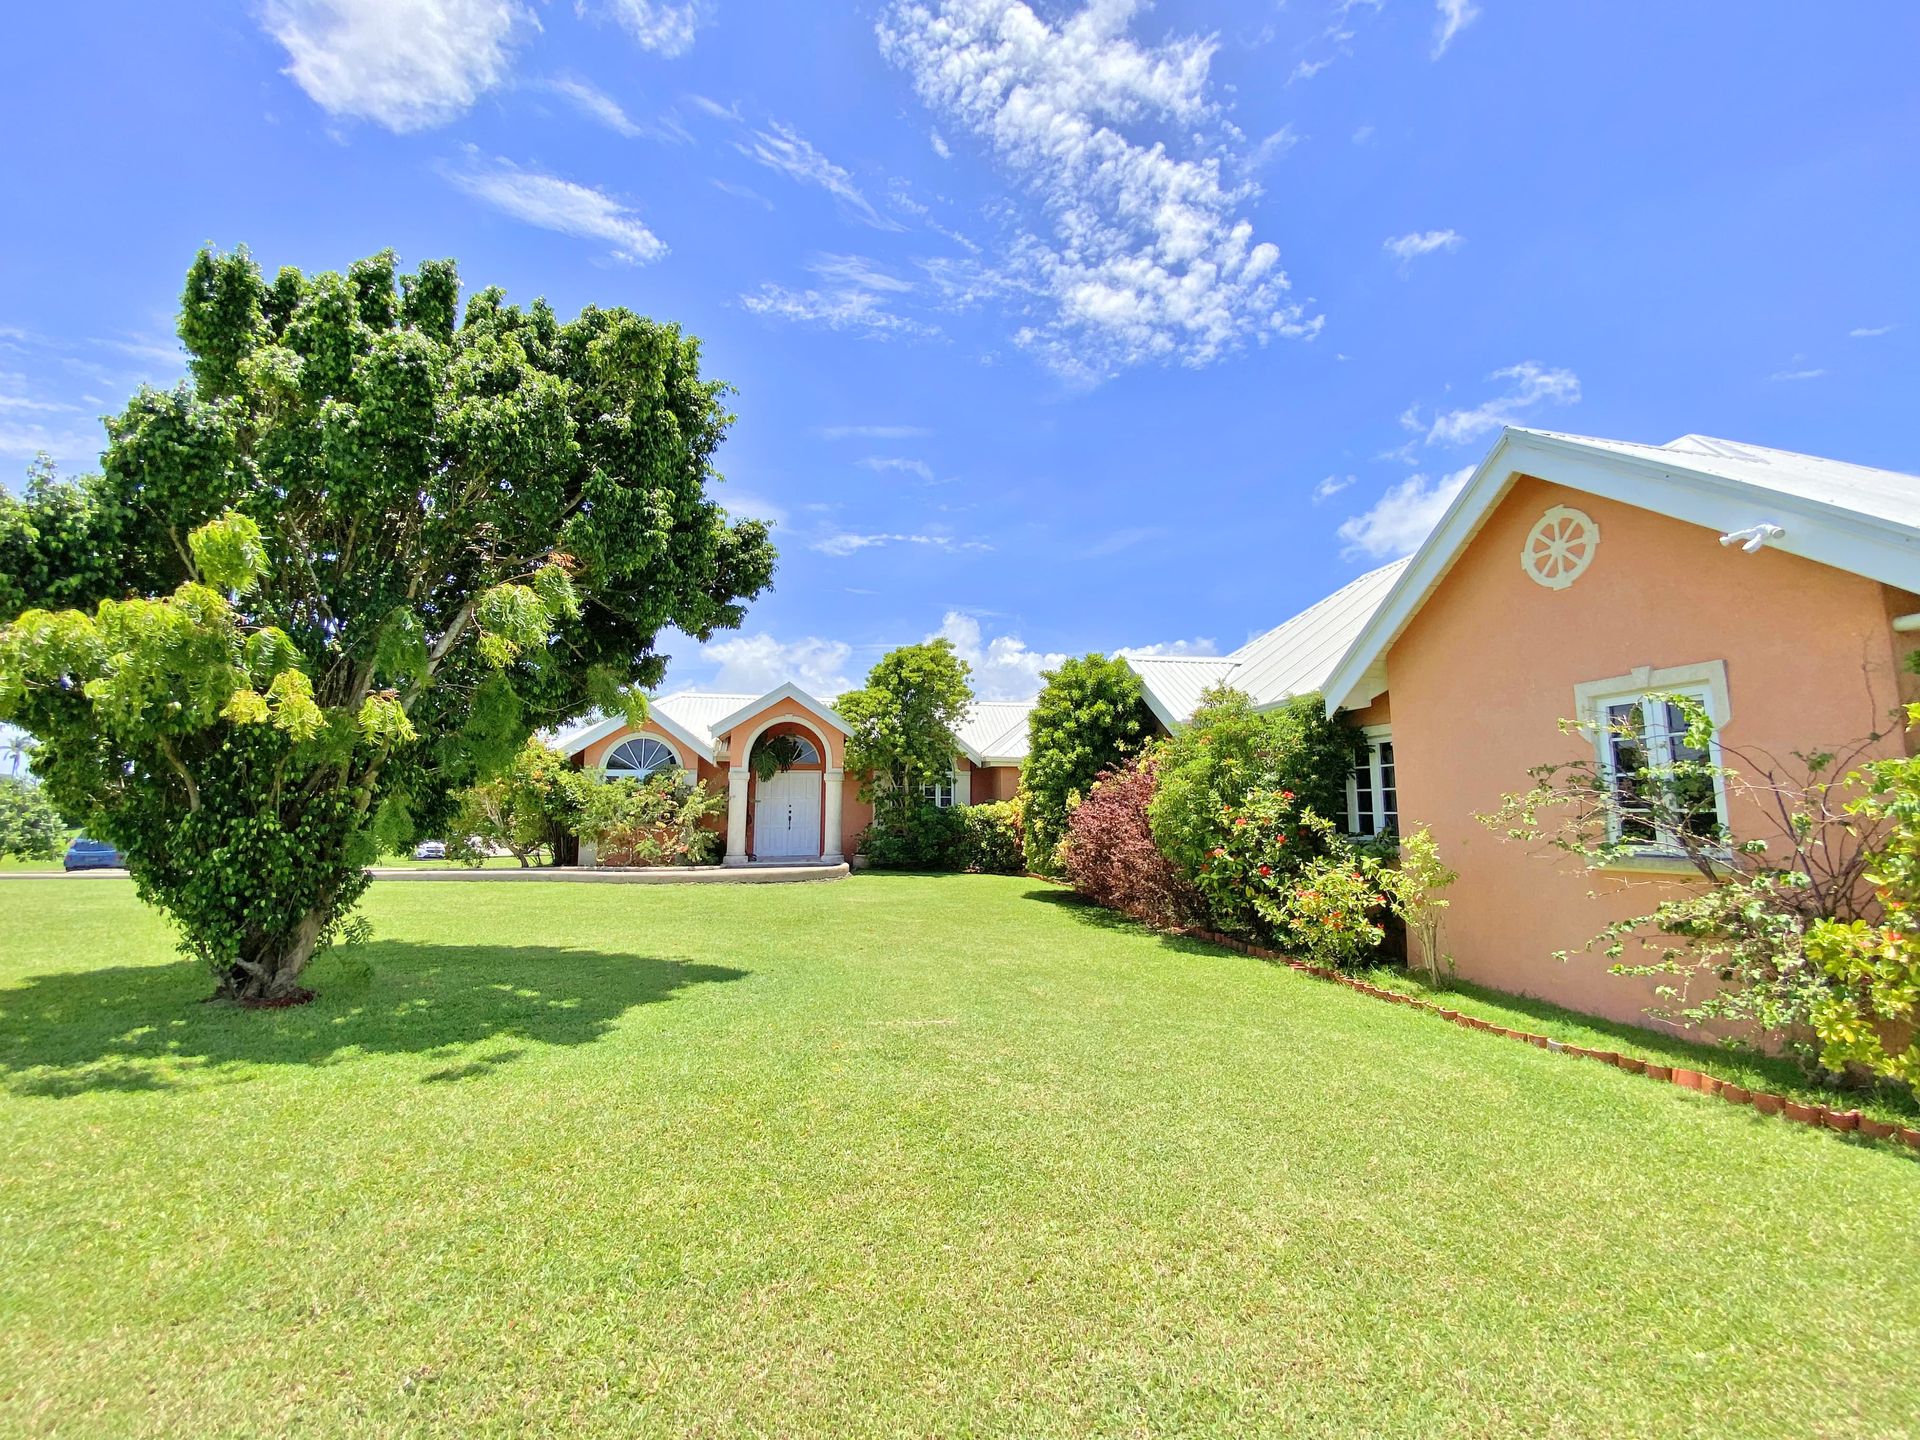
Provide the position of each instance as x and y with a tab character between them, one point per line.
1056	326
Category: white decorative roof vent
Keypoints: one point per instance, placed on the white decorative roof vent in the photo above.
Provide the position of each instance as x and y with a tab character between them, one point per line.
1560	547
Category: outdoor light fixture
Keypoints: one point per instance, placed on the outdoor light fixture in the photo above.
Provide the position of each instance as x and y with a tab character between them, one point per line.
1754	538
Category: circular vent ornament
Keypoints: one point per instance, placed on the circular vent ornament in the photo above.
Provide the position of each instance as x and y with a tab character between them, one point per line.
1560	547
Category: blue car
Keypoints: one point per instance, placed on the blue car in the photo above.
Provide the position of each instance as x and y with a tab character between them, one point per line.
85	854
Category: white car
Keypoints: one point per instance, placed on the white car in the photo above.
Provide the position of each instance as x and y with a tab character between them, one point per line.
430	850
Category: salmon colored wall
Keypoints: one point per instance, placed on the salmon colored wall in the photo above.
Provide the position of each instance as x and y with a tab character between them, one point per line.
704	769
1487	669
991	783
787	707
1378	713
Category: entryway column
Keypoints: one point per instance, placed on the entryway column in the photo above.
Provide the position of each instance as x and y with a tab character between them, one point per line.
737	815
830	850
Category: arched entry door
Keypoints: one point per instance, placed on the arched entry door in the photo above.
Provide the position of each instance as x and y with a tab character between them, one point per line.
786	819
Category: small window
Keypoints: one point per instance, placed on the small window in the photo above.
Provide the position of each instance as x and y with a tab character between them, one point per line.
1660	801
637	759
1373	800
940	792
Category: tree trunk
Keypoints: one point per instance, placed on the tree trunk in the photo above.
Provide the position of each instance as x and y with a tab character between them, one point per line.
275	976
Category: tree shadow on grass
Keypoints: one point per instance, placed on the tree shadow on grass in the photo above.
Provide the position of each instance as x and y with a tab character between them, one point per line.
146	1027
1100	918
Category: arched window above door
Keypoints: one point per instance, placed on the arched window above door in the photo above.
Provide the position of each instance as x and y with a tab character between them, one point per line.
638	758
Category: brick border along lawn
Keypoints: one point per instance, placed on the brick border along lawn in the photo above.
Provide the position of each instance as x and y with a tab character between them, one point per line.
901	1155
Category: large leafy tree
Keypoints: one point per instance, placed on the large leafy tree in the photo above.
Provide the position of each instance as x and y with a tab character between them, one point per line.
904	723
347	570
1089	718
30	828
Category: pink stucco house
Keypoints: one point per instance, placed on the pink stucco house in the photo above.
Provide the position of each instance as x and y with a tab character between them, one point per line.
812	811
1570	579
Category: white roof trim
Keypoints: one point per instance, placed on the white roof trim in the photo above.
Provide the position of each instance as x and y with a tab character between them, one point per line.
574	744
1667	482
788	691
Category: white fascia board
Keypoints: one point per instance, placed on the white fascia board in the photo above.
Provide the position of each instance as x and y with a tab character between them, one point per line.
788	691
1829	535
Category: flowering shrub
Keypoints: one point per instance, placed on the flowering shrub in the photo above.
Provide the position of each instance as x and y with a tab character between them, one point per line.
1261	844
1110	856
1330	913
1222	767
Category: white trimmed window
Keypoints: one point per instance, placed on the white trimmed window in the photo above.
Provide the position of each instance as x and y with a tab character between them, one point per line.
1373	801
640	757
939	792
1640	735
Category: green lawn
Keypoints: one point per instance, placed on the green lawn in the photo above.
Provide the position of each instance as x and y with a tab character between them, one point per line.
897	1156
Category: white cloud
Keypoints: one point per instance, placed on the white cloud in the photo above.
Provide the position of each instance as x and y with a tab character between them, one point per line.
1307	69
1455	16
1146	259
783	149
1274	146
1402	517
847	542
1332	486
857	271
1363	135
406	64
755	664
556	204
664	29
1531	384
940	146
1796	375
1869	332
603	109
744	505
1411	246
873	432
1198	645
860	311
75	449
1003	667
743	192
895	464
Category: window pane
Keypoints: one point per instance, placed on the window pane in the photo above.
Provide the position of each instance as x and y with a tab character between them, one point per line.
1691	791
637	759
1627	766
1362	816
1389	792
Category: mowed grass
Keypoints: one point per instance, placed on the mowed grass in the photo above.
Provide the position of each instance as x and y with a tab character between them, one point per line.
896	1156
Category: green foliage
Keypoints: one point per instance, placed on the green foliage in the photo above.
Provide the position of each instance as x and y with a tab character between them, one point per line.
1413	888
772	754
1873	966
57	541
922	837
661	820
991	839
345	573
1730	945
903	724
1229	782
30	828
525	810
1327	909
1089	718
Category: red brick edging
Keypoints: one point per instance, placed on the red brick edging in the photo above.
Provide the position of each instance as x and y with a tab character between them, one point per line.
1764	1101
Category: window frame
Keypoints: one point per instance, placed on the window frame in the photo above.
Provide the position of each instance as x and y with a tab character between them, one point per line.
608	772
1377	763
932	791
1705	683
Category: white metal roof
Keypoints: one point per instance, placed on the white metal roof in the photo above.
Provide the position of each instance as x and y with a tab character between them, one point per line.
1293	658
1852	517
995	731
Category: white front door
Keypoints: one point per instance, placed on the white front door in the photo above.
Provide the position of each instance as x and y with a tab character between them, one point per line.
786	821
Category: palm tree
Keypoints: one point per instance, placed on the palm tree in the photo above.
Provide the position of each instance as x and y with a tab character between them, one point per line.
16	750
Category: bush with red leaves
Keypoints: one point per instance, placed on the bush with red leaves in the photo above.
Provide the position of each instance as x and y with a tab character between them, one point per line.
1110	855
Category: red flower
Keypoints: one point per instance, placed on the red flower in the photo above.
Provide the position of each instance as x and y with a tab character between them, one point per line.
1241	821
1286	794
1281	838
1266	870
